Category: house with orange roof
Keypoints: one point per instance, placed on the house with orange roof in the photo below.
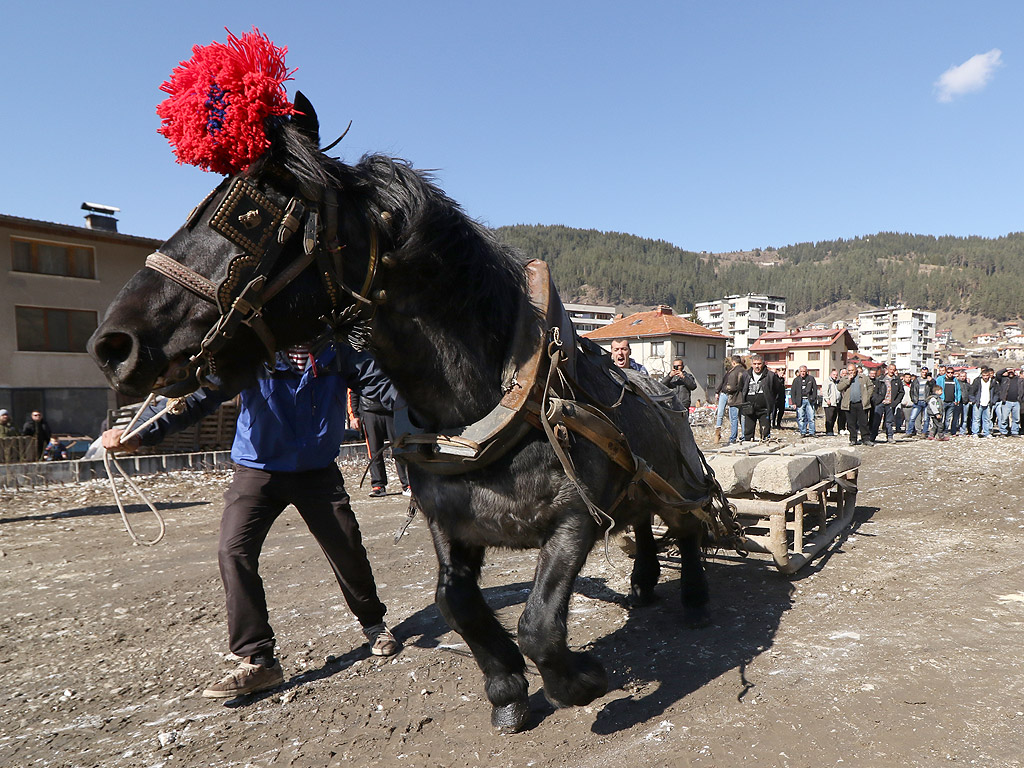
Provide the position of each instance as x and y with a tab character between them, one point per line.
821	350
659	336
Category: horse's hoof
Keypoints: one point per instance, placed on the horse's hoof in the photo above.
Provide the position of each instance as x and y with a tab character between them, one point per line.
588	682
639	598
510	718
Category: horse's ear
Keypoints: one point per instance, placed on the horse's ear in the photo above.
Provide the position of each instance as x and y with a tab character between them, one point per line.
306	121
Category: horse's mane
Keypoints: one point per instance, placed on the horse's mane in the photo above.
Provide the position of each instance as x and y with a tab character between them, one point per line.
465	287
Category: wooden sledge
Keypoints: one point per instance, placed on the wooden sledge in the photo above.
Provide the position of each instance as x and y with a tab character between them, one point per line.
794	530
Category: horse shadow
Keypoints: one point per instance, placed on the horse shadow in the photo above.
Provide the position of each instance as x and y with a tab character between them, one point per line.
653	661
652	657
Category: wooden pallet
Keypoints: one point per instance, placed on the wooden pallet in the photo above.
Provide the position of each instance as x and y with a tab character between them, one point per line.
796	529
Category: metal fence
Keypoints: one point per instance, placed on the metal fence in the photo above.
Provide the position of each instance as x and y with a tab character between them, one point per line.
18	450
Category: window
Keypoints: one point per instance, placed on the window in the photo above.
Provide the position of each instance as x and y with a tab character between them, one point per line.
52	259
680	349
712	381
791	356
712	351
657	348
814	355
41	329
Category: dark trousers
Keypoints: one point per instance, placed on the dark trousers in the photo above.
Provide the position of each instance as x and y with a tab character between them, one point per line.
883	415
252	503
762	417
831	415
857	422
378	428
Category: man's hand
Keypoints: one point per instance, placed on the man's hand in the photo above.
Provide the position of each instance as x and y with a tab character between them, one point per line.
111	440
355	423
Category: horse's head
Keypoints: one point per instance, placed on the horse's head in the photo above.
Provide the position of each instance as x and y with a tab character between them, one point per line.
242	277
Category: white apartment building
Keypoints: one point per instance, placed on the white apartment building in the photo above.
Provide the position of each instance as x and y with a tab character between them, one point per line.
589	317
742	319
898	335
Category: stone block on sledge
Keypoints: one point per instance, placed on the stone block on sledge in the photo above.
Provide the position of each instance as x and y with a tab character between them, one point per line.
784	475
734	472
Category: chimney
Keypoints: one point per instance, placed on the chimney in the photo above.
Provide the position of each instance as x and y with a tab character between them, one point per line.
100	217
663	309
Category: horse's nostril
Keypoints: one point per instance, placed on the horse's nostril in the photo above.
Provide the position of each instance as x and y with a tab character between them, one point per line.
113	348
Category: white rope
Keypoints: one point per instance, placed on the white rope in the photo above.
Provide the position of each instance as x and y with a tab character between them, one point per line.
109	460
172	405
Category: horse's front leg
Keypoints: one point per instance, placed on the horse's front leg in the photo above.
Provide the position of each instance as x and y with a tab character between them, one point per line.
569	678
693	580
463	606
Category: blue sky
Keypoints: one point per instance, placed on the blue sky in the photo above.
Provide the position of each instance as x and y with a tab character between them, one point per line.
715	126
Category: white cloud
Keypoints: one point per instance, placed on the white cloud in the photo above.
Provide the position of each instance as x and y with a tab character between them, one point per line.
973	75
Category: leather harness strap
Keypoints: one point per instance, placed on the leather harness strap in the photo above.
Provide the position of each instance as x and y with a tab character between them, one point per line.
251	269
531	403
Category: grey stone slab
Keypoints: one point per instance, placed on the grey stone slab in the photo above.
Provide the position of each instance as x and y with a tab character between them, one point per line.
734	472
784	475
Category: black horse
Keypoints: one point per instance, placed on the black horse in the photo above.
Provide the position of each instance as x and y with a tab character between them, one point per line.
438	300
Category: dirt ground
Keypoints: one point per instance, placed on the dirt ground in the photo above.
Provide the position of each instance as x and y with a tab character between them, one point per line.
901	647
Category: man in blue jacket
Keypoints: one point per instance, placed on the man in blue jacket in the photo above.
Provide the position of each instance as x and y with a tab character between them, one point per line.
290	426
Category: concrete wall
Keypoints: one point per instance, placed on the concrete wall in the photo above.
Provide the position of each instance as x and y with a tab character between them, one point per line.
42	473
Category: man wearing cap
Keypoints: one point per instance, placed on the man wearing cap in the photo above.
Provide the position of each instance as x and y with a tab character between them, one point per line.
7	428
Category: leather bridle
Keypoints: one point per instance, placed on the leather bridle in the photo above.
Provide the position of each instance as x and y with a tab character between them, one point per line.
261	228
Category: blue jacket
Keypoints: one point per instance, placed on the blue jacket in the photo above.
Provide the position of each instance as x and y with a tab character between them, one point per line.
941	381
289	422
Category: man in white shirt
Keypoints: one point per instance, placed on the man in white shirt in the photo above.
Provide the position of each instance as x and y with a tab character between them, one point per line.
983	397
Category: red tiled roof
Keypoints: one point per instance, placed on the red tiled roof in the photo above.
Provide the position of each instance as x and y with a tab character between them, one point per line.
784	340
657	322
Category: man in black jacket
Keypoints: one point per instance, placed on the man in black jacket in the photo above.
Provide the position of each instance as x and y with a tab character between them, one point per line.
757	388
884	401
803	394
983	393
682	382
37	427
378	424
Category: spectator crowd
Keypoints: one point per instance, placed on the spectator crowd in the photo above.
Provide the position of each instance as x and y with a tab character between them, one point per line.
870	405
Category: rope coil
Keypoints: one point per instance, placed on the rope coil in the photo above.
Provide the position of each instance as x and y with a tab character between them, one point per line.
172	405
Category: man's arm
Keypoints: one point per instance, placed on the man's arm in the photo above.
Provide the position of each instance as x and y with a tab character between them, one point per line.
198	405
363	376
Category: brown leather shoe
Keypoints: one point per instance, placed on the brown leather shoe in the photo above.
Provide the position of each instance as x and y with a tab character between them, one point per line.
382	642
246	678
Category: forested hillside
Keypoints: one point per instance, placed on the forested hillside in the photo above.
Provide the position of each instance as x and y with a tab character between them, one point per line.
956	274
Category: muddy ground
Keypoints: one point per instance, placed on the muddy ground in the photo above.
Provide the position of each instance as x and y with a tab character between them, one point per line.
902	647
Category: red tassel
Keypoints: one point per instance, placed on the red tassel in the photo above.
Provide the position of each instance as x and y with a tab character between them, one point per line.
220	99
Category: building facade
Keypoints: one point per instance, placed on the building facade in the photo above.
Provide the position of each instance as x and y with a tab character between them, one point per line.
743	319
659	336
56	282
821	350
589	317
898	335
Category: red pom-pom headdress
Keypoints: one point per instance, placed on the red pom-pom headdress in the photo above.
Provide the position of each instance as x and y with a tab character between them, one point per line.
220	99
